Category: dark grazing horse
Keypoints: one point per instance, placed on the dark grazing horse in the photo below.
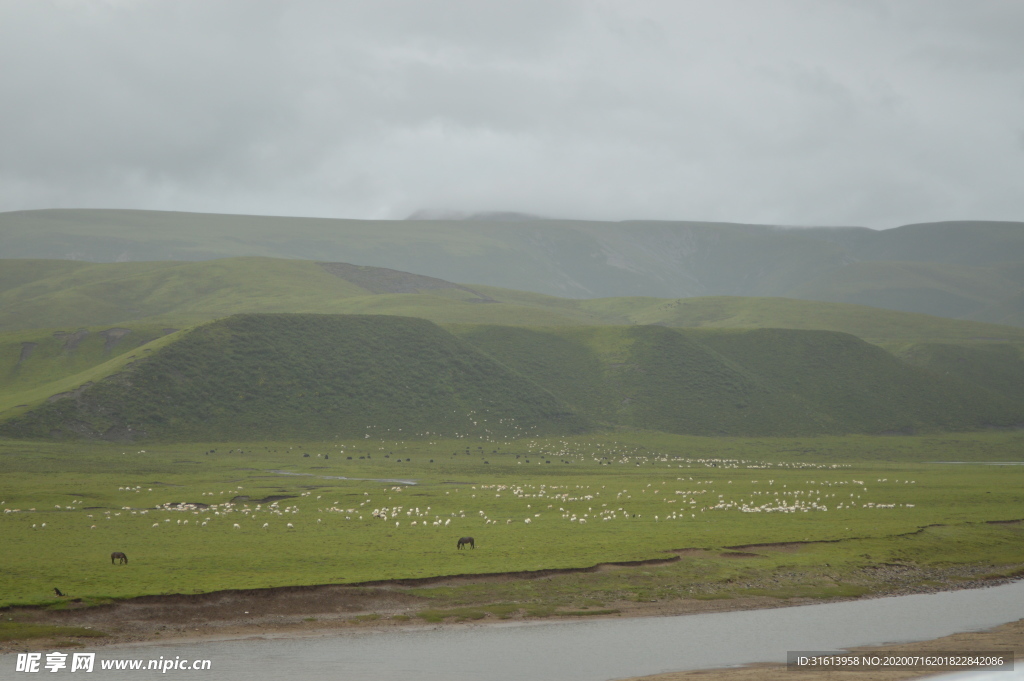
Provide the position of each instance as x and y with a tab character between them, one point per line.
119	557
466	540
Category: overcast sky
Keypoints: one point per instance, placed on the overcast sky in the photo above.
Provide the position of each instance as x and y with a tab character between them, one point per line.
830	112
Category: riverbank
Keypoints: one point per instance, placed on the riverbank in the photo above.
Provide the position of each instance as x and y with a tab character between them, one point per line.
1006	637
759	632
312	611
321	610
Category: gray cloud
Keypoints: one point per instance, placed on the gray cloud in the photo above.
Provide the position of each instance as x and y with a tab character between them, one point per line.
777	111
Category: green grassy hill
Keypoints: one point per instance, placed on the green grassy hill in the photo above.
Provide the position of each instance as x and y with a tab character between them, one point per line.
755	382
997	367
320	376
944	289
37	364
952	269
860	387
31	359
324	376
733	312
108	315
71	295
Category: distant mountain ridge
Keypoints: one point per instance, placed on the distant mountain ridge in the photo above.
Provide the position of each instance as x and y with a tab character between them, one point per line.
497	215
958	269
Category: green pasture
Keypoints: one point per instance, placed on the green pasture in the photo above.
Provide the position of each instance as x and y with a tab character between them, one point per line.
588	500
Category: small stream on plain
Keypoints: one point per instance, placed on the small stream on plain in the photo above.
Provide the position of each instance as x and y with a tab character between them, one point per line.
579	651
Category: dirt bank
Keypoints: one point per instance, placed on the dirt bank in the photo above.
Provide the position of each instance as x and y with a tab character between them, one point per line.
298	611
311	609
1006	637
301	610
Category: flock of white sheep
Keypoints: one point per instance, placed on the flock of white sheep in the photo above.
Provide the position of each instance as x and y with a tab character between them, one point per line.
574	503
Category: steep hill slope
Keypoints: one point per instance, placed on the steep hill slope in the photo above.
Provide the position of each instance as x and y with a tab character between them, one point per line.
31	359
996	367
36	365
312	376
579	259
860	387
325	376
764	382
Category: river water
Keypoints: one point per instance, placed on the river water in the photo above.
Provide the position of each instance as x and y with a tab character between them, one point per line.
577	651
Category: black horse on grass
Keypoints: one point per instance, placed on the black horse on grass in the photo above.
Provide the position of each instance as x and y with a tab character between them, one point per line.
118	557
466	540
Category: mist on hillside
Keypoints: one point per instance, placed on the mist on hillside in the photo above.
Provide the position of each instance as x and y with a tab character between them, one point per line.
963	270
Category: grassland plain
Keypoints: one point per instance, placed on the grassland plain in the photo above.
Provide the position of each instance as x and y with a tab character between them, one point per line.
348	513
294	376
